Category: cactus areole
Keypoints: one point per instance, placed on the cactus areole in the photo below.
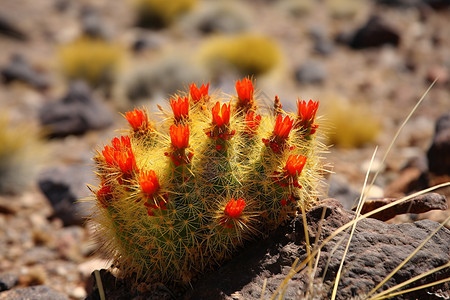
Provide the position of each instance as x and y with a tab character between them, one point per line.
177	198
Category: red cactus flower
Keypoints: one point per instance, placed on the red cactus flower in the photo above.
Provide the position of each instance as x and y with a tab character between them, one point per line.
149	182
179	136
104	195
120	155
283	127
234	208
126	161
198	93
252	122
180	108
295	164
245	90
138	119
306	114
221	116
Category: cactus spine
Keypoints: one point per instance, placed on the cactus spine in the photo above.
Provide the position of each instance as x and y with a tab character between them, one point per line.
178	199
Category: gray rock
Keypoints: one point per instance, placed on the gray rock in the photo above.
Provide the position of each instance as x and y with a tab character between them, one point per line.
322	43
341	190
75	114
63	187
18	69
39	292
8	281
93	24
439	152
311	72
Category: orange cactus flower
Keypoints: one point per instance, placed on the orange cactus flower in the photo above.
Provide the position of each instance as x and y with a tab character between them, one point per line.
179	136
245	90
283	127
252	122
198	93
138	119
126	161
295	164
306	114
120	155
280	134
221	116
180	108
234	208
149	182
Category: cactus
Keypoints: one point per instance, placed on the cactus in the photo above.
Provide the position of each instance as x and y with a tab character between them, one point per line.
179	197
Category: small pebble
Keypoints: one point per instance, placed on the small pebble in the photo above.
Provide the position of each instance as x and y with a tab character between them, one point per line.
78	293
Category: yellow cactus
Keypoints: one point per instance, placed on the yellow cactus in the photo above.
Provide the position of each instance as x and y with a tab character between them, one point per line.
176	199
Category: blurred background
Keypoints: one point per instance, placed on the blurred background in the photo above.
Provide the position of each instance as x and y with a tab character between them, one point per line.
69	69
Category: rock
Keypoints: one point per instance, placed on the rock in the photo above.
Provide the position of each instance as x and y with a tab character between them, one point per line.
341	190
439	153
63	187
375	250
78	293
220	18
18	69
76	113
86	268
311	72
409	180
441	73
39	292
9	29
69	241
400	3
92	23
322	43
8	281
374	33
416	205
116	289
38	255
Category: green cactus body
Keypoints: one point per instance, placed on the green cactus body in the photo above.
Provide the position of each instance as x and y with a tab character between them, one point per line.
178	199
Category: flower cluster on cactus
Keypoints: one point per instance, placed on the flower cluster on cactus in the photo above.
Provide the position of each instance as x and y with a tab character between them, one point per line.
177	197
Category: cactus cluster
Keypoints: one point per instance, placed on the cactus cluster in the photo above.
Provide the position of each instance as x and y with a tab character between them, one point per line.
179	196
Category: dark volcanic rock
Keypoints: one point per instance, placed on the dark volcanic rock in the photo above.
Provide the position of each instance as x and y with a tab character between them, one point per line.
63	187
20	70
8	28
75	113
39	292
374	33
415	205
439	152
375	250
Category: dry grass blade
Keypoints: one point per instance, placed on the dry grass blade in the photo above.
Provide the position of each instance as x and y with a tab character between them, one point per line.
358	211
344	227
409	257
388	293
263	288
98	279
401	128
